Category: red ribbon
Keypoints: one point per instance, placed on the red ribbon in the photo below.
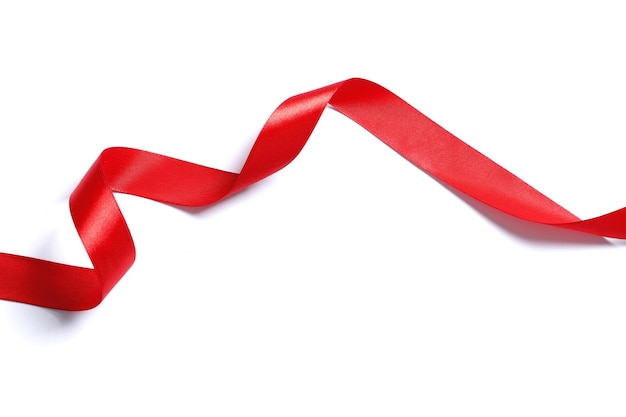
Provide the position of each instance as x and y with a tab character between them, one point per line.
108	242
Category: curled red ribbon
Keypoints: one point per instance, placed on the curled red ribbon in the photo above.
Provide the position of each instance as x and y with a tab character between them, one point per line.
108	242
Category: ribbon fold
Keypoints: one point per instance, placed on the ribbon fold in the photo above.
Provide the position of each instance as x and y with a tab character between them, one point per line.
110	247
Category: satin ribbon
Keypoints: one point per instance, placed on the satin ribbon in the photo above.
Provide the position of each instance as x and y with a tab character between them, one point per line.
108	242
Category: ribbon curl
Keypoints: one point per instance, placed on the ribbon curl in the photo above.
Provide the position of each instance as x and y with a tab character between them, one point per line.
110	247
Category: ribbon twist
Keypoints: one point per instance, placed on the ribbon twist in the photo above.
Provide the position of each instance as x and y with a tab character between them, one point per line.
110	247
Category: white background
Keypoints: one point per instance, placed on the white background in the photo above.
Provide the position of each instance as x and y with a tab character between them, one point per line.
350	283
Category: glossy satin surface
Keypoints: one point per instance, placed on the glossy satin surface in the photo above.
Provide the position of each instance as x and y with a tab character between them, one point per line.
411	134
